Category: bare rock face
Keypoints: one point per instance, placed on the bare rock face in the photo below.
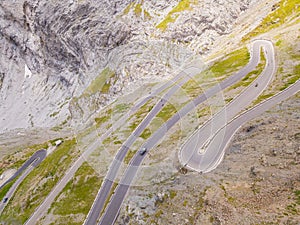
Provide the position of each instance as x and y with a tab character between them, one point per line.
52	50
205	21
62	36
59	42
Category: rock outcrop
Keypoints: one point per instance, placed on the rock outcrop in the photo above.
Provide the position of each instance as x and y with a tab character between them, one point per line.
64	46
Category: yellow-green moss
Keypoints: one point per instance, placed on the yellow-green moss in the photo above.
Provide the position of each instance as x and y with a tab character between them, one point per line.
128	8
83	187
167	112
137	10
232	62
38	184
101	83
285	11
183	5
250	77
164	24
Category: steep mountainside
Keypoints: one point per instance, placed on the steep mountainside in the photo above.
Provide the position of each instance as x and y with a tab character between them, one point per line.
52	51
87	80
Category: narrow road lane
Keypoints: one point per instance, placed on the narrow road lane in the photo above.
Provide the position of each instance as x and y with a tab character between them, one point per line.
106	186
42	209
113	208
25	169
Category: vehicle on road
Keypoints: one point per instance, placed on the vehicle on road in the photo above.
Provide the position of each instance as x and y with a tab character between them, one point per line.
256	84
5	200
143	151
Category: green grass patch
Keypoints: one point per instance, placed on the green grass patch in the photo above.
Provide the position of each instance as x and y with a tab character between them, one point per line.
158	213
285	10
54	114
147	15
105	88
140	115
64	103
203	111
292	209
6	188
232	62
129	156
128	8
12	162
134	124
112	191
231	199
61	125
172	194
117	142
107	141
103	119
278	43
227	100
167	112
164	24
108	126
121	108
250	77
192	88
183	5
82	189
292	78
38	184
297	197
185	202
263	97
56	128
137	10
146	134
101	83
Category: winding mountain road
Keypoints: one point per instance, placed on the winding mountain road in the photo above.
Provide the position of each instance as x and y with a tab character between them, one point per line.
117	162
217	132
210	137
42	209
107	184
25	169
202	152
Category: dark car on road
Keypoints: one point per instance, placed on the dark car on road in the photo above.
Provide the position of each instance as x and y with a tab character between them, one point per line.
142	151
5	200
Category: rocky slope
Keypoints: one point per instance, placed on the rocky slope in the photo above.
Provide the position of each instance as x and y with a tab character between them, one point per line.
52	50
257	183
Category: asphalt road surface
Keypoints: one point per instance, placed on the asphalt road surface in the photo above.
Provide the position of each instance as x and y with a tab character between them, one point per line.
114	205
25	169
42	209
205	146
218	122
120	193
121	154
117	162
36	159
